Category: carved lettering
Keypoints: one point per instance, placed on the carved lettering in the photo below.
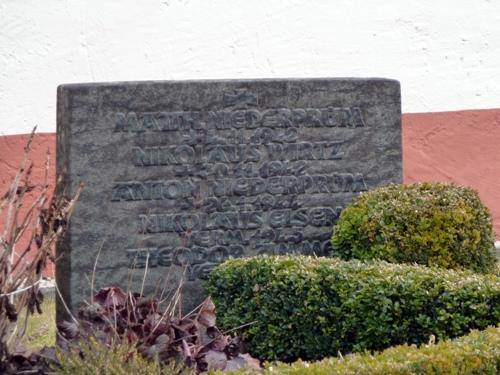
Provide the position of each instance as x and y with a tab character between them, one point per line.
241	175
164	155
305	151
236	220
228	154
238	119
316	248
303	184
181	256
154	190
184	222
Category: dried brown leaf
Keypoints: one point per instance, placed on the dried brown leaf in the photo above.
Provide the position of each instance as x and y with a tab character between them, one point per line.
206	315
220	343
69	330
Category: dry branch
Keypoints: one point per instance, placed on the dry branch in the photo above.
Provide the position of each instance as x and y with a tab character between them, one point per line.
42	223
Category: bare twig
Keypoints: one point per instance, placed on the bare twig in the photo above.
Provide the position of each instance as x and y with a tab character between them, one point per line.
65	305
21	290
145	274
92	281
21	271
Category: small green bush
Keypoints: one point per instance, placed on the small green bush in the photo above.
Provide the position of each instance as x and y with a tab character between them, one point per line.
476	353
310	308
431	224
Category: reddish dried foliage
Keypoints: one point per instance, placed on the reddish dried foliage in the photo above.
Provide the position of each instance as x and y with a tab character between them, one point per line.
118	317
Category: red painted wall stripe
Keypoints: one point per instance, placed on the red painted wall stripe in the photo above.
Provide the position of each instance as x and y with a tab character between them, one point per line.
460	147
11	155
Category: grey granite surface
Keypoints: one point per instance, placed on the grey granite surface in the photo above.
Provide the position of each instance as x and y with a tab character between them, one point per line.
182	175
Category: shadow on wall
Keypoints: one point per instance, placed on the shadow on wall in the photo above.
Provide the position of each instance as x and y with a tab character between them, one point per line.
459	147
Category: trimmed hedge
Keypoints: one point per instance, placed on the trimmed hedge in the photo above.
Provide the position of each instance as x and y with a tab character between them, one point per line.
476	353
431	224
310	308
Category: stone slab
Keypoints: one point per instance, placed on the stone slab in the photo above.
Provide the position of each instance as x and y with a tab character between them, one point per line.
180	175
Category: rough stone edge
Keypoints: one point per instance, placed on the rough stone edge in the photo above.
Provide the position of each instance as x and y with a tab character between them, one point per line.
62	279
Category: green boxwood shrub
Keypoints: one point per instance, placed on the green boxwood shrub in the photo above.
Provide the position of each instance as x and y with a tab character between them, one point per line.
310	308
476	353
432	224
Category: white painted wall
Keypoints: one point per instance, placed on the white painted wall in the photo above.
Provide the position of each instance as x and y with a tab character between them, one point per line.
446	53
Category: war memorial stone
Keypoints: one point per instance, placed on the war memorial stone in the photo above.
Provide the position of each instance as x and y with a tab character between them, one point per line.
180	176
